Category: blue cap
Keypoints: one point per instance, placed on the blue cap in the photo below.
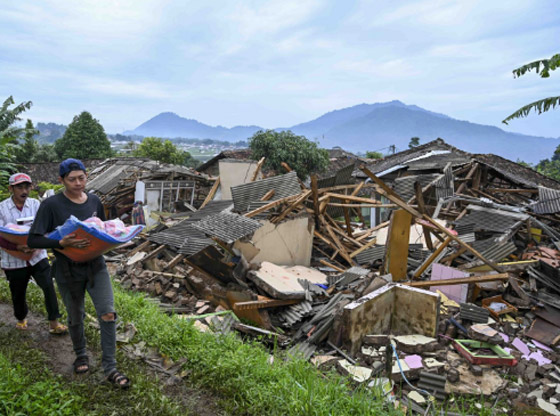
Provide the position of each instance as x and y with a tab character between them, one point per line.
69	165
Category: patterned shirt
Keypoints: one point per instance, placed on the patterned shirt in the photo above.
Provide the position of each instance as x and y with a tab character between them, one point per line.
9	213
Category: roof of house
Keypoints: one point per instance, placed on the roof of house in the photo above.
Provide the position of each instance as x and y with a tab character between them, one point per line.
437	153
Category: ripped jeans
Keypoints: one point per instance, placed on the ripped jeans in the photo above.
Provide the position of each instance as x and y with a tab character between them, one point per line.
101	293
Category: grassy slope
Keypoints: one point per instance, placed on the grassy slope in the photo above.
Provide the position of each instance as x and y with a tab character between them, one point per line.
240	372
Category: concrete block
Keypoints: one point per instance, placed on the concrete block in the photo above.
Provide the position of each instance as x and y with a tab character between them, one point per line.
393	309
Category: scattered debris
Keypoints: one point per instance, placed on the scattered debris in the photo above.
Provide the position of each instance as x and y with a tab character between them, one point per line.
451	258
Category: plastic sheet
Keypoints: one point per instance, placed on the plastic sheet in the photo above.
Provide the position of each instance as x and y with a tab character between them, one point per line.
104	236
17	234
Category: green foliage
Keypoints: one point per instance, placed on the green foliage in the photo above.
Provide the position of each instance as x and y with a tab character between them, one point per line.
542	67
28	146
46	153
414	141
374	155
550	168
85	138
302	155
163	151
9	134
25	392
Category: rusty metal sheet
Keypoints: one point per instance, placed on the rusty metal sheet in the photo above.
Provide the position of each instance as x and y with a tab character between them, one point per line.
544	332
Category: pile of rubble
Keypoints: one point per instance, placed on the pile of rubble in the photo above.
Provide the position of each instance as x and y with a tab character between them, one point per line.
433	268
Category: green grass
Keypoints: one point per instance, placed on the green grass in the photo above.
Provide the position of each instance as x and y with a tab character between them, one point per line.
29	387
237	371
32	390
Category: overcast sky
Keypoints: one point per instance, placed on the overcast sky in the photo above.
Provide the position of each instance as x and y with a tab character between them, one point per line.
276	63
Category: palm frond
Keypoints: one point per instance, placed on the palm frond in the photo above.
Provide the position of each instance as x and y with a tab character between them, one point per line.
539	106
541	67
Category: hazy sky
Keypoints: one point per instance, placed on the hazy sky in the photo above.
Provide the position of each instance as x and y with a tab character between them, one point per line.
276	63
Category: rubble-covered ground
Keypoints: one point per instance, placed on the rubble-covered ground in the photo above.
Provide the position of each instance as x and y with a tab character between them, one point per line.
433	273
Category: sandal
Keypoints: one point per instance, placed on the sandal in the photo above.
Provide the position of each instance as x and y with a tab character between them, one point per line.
118	380
59	330
81	361
22	326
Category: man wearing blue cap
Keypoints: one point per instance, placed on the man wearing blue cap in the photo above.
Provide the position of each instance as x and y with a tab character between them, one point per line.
15	209
75	278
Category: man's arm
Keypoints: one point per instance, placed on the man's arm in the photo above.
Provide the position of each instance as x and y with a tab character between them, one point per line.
40	241
7	244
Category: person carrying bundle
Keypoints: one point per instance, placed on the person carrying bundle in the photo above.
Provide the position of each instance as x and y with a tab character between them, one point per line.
75	278
20	262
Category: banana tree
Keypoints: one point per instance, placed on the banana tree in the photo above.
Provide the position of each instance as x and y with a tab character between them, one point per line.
542	67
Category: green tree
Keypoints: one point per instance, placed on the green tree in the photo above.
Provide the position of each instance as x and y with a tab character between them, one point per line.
164	151
84	138
542	67
28	146
302	155
9	133
374	155
46	153
414	141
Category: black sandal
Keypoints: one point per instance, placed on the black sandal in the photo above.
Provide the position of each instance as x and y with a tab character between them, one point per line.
117	379
81	361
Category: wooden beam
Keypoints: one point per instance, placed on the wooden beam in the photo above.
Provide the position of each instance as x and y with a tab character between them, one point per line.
315	196
258	169
392	196
211	194
291	207
351	198
460	280
270	205
332	266
432	257
139	247
154	253
363	248
268	195
422	210
340	246
175	261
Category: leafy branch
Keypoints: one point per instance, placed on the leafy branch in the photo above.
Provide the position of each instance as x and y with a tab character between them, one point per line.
542	67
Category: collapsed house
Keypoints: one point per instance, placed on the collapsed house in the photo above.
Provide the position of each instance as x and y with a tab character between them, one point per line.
433	266
121	182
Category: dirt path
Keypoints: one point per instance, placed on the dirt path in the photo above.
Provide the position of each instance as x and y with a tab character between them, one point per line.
61	356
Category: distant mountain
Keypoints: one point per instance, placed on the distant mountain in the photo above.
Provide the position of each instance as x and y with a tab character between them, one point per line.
171	125
49	132
374	127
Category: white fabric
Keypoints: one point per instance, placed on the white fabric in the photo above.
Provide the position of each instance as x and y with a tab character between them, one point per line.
9	213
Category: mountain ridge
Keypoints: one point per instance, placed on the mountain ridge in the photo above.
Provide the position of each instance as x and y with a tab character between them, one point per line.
369	127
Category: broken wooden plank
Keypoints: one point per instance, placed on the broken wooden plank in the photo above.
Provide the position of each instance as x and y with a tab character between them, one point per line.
332	266
268	195
154	253
460	280
138	248
258	169
315	196
175	261
211	194
432	257
292	206
270	205
363	248
396	247
422	210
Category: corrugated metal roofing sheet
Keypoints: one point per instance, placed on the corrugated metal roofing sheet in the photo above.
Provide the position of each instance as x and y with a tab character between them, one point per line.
227	226
444	185
370	255
283	185
494	250
491	219
549	201
404	186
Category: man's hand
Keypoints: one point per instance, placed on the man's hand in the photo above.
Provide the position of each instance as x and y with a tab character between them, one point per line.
70	240
24	248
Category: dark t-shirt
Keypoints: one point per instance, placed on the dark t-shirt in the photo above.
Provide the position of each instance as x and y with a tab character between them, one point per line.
54	211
